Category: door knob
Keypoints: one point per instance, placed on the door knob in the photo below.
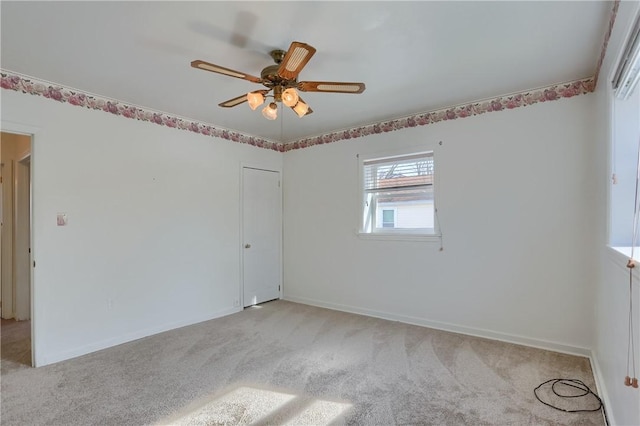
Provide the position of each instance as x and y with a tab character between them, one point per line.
247	245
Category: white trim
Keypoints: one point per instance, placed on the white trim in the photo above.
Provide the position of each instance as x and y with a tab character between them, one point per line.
22	258
601	389
618	257
19	128
107	343
470	331
398	236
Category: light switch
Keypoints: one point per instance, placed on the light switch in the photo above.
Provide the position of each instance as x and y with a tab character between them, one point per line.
62	219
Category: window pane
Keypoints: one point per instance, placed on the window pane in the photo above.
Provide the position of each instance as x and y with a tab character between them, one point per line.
388	218
398	194
395	173
410	209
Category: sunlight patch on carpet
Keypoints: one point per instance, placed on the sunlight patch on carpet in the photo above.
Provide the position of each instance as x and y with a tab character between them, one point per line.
319	412
244	405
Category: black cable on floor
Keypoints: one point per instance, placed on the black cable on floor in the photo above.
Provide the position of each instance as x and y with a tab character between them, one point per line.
577	384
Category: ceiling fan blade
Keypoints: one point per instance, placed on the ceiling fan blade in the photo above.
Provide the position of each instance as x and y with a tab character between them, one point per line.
224	71
233	102
331	86
296	58
240	99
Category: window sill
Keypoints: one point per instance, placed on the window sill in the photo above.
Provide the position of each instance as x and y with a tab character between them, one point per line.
622	254
620	257
396	236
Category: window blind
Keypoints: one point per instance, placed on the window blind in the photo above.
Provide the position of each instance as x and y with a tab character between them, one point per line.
628	71
399	173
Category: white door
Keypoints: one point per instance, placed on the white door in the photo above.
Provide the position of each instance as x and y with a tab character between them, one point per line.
261	233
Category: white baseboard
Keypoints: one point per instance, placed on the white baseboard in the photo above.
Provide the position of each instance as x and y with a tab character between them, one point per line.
602	388
107	343
471	331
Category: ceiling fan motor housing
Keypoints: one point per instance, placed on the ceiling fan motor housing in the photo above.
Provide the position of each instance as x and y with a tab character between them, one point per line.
270	78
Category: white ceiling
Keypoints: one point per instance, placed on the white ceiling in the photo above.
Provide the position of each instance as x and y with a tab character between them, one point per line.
413	56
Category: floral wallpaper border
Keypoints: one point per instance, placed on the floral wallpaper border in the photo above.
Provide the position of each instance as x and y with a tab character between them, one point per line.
12	81
550	93
19	83
605	44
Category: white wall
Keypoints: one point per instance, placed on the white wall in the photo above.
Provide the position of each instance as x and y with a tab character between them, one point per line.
152	240
612	291
514	192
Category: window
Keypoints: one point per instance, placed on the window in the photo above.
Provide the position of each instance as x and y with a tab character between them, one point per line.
397	194
627	74
625	108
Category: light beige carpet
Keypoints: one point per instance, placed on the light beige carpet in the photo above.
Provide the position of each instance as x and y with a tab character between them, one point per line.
15	349
287	363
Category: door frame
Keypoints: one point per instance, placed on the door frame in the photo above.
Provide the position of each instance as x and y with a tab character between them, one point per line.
7	239
21	258
239	303
32	132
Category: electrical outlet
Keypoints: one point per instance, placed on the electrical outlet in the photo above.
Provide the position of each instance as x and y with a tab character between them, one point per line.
110	304
236	303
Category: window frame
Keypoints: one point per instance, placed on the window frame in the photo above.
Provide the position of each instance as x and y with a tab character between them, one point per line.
617	146
409	234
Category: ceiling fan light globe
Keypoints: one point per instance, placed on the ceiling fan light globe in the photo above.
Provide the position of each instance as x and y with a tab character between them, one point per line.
301	109
270	112
255	99
290	97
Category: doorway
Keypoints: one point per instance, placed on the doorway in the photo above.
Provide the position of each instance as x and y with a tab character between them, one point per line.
15	245
261	235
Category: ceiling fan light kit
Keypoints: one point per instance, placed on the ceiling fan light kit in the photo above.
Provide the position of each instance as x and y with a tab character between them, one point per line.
270	112
301	109
255	99
282	78
290	97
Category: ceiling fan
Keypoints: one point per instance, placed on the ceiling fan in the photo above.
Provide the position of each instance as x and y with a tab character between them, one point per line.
282	79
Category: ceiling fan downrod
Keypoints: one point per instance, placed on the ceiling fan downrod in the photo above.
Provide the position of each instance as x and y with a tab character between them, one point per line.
278	55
